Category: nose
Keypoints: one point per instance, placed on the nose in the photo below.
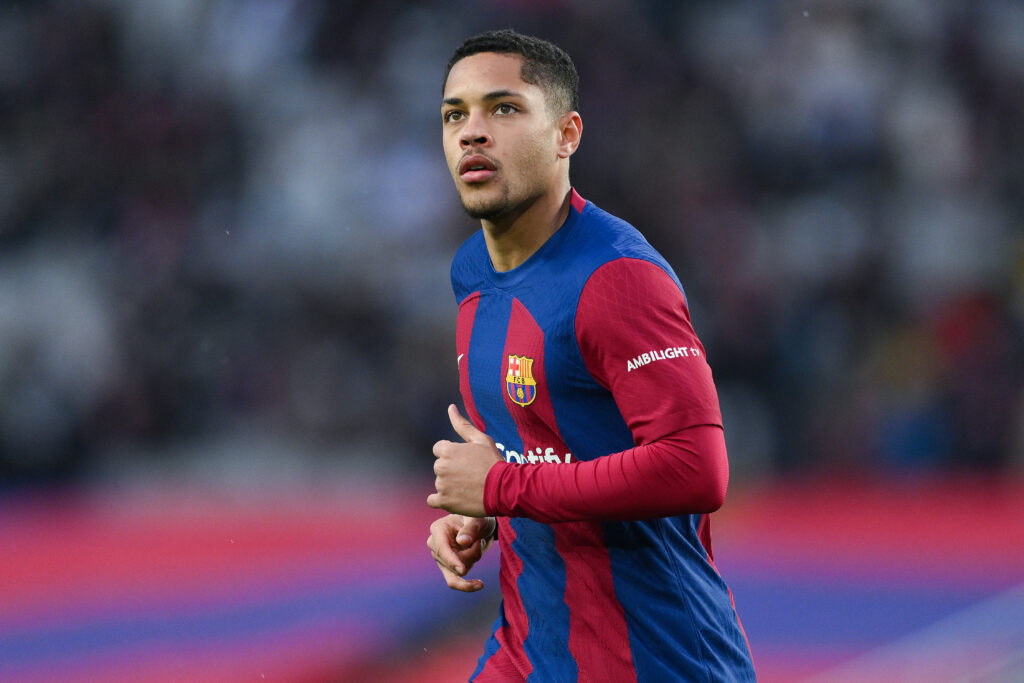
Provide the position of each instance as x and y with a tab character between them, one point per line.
474	133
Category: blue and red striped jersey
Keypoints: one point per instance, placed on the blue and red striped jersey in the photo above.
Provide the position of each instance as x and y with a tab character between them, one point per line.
581	364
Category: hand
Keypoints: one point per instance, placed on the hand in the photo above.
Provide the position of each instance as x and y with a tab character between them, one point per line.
457	543
461	468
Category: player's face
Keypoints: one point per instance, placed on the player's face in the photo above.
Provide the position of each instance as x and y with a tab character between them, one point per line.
500	141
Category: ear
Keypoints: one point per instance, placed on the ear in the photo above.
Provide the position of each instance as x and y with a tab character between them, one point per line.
570	129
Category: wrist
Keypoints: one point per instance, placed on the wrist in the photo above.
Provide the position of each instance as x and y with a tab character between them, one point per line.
492	484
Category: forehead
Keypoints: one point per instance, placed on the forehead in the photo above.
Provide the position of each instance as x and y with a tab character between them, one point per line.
487	72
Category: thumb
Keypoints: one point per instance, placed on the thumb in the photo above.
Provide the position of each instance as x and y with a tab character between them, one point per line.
464	428
474	528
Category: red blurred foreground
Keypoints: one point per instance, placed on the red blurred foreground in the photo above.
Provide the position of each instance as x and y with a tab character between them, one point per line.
838	579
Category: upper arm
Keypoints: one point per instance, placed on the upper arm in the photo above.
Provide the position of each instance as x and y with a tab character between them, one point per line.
634	333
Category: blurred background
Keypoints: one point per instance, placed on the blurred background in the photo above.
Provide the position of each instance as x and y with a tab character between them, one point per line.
227	330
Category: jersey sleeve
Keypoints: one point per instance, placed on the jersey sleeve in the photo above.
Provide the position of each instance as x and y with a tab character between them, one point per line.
682	473
634	333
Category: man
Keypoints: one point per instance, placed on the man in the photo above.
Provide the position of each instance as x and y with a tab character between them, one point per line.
594	448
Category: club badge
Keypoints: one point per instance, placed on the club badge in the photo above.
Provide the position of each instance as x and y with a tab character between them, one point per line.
519	382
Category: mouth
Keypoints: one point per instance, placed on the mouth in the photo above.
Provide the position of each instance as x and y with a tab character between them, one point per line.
476	168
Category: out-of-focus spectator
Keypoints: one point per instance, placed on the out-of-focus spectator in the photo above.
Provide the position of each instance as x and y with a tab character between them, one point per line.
225	227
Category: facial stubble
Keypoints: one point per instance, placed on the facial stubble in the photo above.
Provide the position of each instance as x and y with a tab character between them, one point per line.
490	210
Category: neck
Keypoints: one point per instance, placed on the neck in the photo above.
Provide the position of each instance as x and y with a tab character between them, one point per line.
515	237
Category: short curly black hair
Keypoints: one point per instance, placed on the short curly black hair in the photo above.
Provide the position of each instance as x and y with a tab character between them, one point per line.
544	64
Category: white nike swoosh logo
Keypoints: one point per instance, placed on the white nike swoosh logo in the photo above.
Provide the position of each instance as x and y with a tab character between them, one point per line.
459	359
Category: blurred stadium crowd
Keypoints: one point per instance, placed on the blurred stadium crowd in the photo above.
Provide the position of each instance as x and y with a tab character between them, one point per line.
226	225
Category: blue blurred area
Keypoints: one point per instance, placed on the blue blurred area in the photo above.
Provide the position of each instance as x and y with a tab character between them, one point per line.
226	225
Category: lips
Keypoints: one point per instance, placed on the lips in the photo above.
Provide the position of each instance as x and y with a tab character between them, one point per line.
476	168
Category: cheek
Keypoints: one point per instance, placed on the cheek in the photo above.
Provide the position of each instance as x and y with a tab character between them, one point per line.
536	154
451	156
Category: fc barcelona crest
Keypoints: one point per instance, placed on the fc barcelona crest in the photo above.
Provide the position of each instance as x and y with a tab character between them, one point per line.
519	382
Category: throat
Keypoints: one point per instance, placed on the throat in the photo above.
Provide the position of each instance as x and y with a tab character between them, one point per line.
512	240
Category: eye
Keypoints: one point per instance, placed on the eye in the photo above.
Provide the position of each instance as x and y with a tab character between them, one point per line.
505	109
452	116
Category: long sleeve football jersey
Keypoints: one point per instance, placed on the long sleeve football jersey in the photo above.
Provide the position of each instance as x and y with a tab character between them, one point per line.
583	366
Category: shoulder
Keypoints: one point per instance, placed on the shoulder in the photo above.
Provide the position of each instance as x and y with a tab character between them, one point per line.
634	277
627	297
617	245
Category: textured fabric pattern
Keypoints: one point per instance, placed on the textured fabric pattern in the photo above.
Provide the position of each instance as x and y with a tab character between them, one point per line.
583	366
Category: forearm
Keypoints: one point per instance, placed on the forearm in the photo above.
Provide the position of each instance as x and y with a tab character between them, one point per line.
682	473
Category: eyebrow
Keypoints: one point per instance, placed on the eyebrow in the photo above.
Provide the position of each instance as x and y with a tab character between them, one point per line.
495	95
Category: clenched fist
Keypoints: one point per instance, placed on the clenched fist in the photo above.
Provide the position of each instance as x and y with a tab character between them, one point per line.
460	469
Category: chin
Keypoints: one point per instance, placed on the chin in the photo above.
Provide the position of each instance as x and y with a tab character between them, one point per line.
482	208
485	211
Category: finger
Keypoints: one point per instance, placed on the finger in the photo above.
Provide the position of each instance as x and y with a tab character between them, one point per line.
458	583
474	528
434	500
463	427
440	447
445	566
449	559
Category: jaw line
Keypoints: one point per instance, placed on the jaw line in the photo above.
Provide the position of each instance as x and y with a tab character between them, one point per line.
485	210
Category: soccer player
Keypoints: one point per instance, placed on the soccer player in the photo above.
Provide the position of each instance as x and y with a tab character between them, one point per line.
593	450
